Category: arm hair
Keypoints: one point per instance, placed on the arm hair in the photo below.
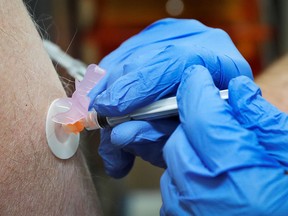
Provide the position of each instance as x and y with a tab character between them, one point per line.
32	180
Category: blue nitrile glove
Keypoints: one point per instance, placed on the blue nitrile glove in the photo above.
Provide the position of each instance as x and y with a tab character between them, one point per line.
214	165
148	67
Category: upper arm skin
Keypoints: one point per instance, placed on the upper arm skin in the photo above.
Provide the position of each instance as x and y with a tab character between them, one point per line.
274	83
32	180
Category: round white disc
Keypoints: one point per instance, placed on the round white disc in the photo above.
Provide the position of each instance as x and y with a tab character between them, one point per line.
62	144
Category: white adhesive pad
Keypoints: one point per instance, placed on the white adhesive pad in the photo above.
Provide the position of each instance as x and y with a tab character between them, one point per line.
62	144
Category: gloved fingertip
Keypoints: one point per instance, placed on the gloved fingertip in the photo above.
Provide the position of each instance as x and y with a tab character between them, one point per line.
245	99
105	103
97	90
197	74
144	138
242	88
194	76
141	131
119	173
120	136
196	91
119	165
251	108
122	97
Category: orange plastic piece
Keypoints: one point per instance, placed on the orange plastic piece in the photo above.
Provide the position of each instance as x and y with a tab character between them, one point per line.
75	128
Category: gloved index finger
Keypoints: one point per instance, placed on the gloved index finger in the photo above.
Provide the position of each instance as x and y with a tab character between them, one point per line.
147	79
218	139
97	89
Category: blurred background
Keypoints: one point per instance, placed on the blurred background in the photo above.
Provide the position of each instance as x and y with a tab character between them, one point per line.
90	29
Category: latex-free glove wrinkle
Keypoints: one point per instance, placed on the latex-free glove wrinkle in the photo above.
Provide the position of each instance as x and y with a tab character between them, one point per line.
255	113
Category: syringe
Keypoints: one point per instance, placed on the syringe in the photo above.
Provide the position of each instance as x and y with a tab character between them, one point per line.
63	140
163	108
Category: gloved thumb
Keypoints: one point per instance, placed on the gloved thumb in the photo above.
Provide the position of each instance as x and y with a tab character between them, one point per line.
260	116
216	136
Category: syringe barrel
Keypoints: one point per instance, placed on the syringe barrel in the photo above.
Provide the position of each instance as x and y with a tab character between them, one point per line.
163	108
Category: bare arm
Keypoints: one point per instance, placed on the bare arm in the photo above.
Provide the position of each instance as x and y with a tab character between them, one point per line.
32	180
274	83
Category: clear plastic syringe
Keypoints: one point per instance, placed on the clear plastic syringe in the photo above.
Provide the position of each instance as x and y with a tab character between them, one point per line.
163	108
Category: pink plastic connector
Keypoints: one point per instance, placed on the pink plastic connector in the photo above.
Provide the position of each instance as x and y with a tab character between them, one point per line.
78	104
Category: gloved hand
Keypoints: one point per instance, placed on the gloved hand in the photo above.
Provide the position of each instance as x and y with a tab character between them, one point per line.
149	67
215	166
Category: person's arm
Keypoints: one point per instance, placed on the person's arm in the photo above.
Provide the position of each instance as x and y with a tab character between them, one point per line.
32	180
273	82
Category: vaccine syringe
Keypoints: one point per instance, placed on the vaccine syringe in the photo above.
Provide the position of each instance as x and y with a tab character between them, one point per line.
63	140
163	108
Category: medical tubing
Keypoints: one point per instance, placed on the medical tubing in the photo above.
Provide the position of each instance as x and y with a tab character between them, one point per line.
163	108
